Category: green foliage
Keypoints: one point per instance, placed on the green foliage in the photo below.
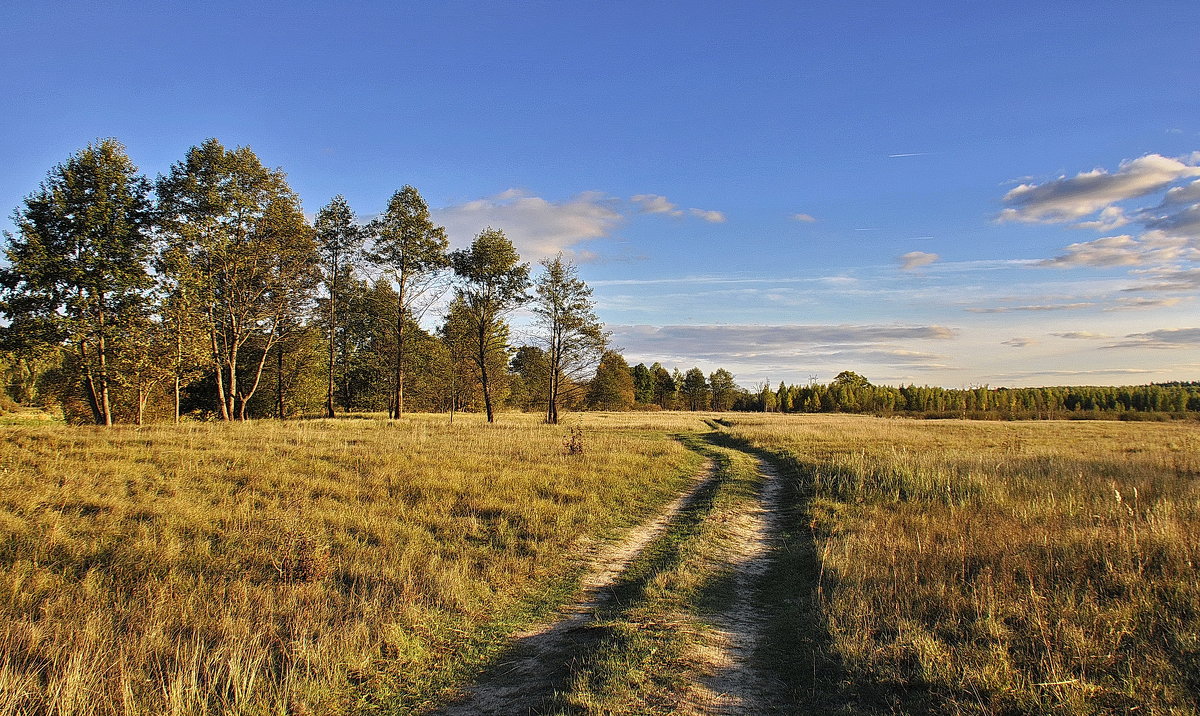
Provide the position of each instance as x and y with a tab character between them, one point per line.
78	265
569	329
492	283
612	386
694	390
239	244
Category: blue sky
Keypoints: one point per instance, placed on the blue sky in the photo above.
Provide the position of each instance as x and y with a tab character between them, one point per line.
955	193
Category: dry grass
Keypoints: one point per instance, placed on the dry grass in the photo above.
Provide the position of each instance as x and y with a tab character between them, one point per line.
310	567
999	568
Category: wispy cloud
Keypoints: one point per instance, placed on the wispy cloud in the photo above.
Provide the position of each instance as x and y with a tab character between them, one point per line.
712	217
1083	335
804	218
907	154
916	259
655	204
1036	307
1019	342
1163	338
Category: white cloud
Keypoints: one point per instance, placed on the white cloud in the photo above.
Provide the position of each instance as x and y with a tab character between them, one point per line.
1111	217
1123	250
537	227
916	259
655	204
1071	198
712	217
804	218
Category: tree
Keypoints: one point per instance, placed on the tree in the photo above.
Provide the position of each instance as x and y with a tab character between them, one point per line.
573	337
665	386
722	388
612	387
339	240
79	262
411	249
239	244
531	371
643	384
695	389
492	284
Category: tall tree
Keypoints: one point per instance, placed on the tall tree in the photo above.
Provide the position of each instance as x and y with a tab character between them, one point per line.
411	249
238	236
339	239
79	261
492	284
722	389
573	337
695	389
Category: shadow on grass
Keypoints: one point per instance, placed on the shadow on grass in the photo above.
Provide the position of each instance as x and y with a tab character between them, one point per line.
797	647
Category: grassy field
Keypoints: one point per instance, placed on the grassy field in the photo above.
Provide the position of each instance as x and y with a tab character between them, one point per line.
304	567
367	566
989	568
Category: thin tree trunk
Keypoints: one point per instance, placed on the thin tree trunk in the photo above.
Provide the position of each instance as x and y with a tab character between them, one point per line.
483	373
89	384
332	333
398	397
279	381
105	405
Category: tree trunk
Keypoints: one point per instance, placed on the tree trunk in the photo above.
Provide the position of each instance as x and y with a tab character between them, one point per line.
483	373
332	333
101	344
89	384
398	397
279	382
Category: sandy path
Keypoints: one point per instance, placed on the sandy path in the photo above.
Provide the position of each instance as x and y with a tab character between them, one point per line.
537	664
730	684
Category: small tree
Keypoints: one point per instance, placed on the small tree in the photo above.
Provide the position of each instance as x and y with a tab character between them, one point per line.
573	337
492	284
612	387
722	388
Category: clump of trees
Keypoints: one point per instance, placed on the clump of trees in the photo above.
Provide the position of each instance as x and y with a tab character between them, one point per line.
207	292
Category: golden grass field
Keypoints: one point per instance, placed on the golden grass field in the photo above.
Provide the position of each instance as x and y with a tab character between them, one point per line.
317	566
367	566
975	567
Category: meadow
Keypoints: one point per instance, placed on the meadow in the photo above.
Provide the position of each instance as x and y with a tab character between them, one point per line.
302	567
369	566
966	567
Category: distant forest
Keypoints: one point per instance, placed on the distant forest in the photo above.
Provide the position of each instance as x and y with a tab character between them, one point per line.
207	293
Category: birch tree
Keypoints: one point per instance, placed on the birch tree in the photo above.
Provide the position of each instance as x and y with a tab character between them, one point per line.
571	335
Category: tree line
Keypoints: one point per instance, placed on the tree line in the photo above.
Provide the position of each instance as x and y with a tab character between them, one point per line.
853	393
208	292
